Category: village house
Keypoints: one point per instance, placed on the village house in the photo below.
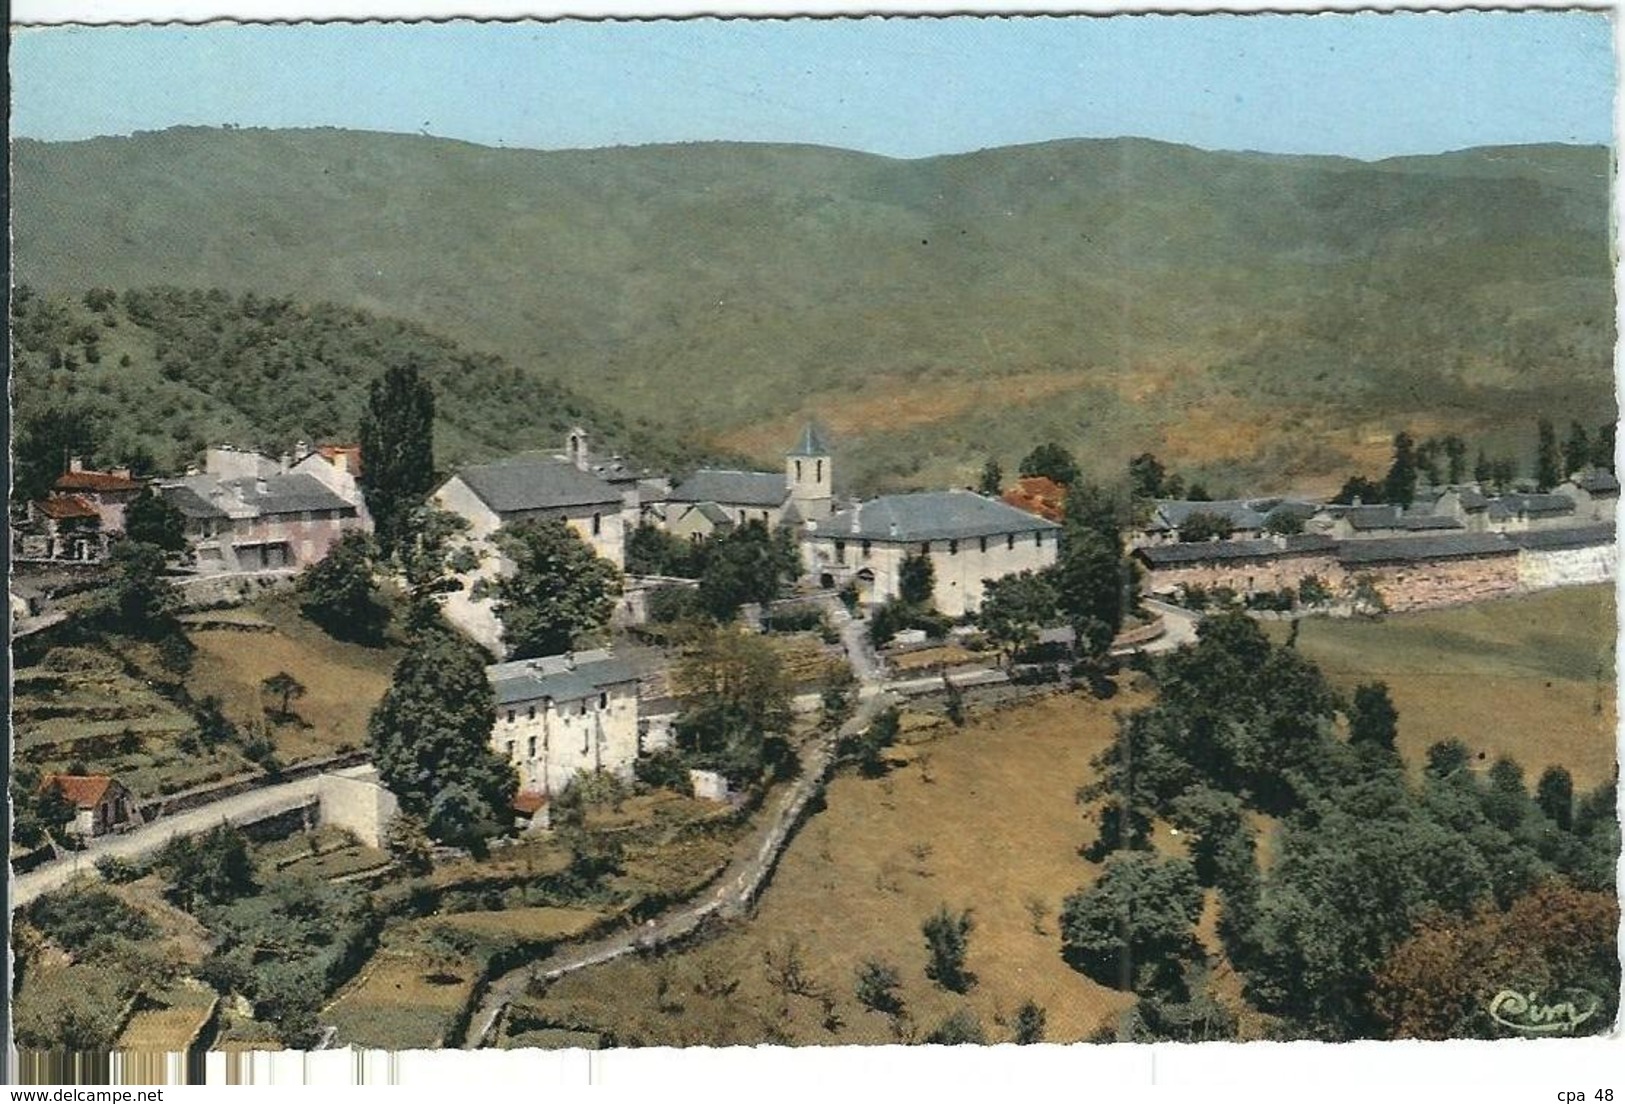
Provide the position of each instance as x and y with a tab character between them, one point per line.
968	538
108	492
560	715
247	512
1169	517
102	804
64	527
1353	522
1595	494
338	468
713	500
535	486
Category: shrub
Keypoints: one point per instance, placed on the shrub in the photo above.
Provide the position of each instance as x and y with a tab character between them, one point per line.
946	936
876	986
797	618
961	1027
663	769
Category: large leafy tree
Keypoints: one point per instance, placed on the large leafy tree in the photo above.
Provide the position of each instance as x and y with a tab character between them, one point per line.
153	519
734	700
339	594
430	738
1016	607
138	599
559	590
1090	575
1557	942
397	450
1053	462
45	440
1373	720
750	564
1135	927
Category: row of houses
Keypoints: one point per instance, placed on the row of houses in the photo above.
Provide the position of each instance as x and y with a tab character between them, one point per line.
1585	498
1410	572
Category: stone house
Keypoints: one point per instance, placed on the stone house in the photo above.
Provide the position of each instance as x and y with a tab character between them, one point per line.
559	715
1595	494
102	804
109	492
338	468
63	527
1244	566
1355	522
1169	516
968	538
535	486
247	512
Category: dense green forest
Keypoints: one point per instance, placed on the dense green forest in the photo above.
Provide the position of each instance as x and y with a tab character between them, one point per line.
1252	317
148	377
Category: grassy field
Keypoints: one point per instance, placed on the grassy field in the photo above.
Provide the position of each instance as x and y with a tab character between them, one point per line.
396	1004
343	682
1531	677
981	818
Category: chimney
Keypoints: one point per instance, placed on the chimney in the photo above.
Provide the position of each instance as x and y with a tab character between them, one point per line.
569	661
76	463
856	524
284	462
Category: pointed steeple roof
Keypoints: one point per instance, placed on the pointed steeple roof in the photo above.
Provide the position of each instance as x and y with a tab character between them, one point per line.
812	443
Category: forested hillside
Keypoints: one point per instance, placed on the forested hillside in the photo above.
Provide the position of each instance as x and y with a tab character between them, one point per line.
1259	316
148	377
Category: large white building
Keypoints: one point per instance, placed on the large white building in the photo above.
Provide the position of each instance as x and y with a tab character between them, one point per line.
968	538
560	715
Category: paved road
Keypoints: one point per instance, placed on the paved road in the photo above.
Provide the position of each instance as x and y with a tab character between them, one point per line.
1179	626
247	807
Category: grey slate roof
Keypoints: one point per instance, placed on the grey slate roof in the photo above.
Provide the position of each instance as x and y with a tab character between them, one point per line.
930	515
189	502
293	493
536	483
1473	500
1168	555
562	678
1173	513
275	496
812	443
715	514
1597	481
733	488
1576	536
1426	522
1413	549
1538	505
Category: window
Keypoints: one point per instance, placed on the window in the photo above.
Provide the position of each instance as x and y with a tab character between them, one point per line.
583	710
603	700
864	547
533	747
925	549
597	524
818	475
840	552
530	714
510	716
798	471
508	749
1038	538
984	544
953	548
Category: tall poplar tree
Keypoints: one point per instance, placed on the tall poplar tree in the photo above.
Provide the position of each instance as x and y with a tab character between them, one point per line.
397	450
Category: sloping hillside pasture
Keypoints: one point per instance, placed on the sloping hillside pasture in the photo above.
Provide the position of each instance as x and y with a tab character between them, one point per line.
982	818
1531	677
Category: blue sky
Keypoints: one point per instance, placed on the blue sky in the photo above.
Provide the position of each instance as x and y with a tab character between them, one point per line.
1360	85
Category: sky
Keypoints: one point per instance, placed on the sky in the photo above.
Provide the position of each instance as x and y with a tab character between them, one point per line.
1366	85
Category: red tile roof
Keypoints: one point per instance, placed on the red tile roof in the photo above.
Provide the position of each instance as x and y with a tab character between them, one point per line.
527	802
95	481
351	454
66	507
84	790
1039	495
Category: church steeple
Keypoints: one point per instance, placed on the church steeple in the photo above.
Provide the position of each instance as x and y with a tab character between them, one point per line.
809	476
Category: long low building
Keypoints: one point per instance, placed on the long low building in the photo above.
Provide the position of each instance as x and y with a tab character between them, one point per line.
968	538
1419	572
